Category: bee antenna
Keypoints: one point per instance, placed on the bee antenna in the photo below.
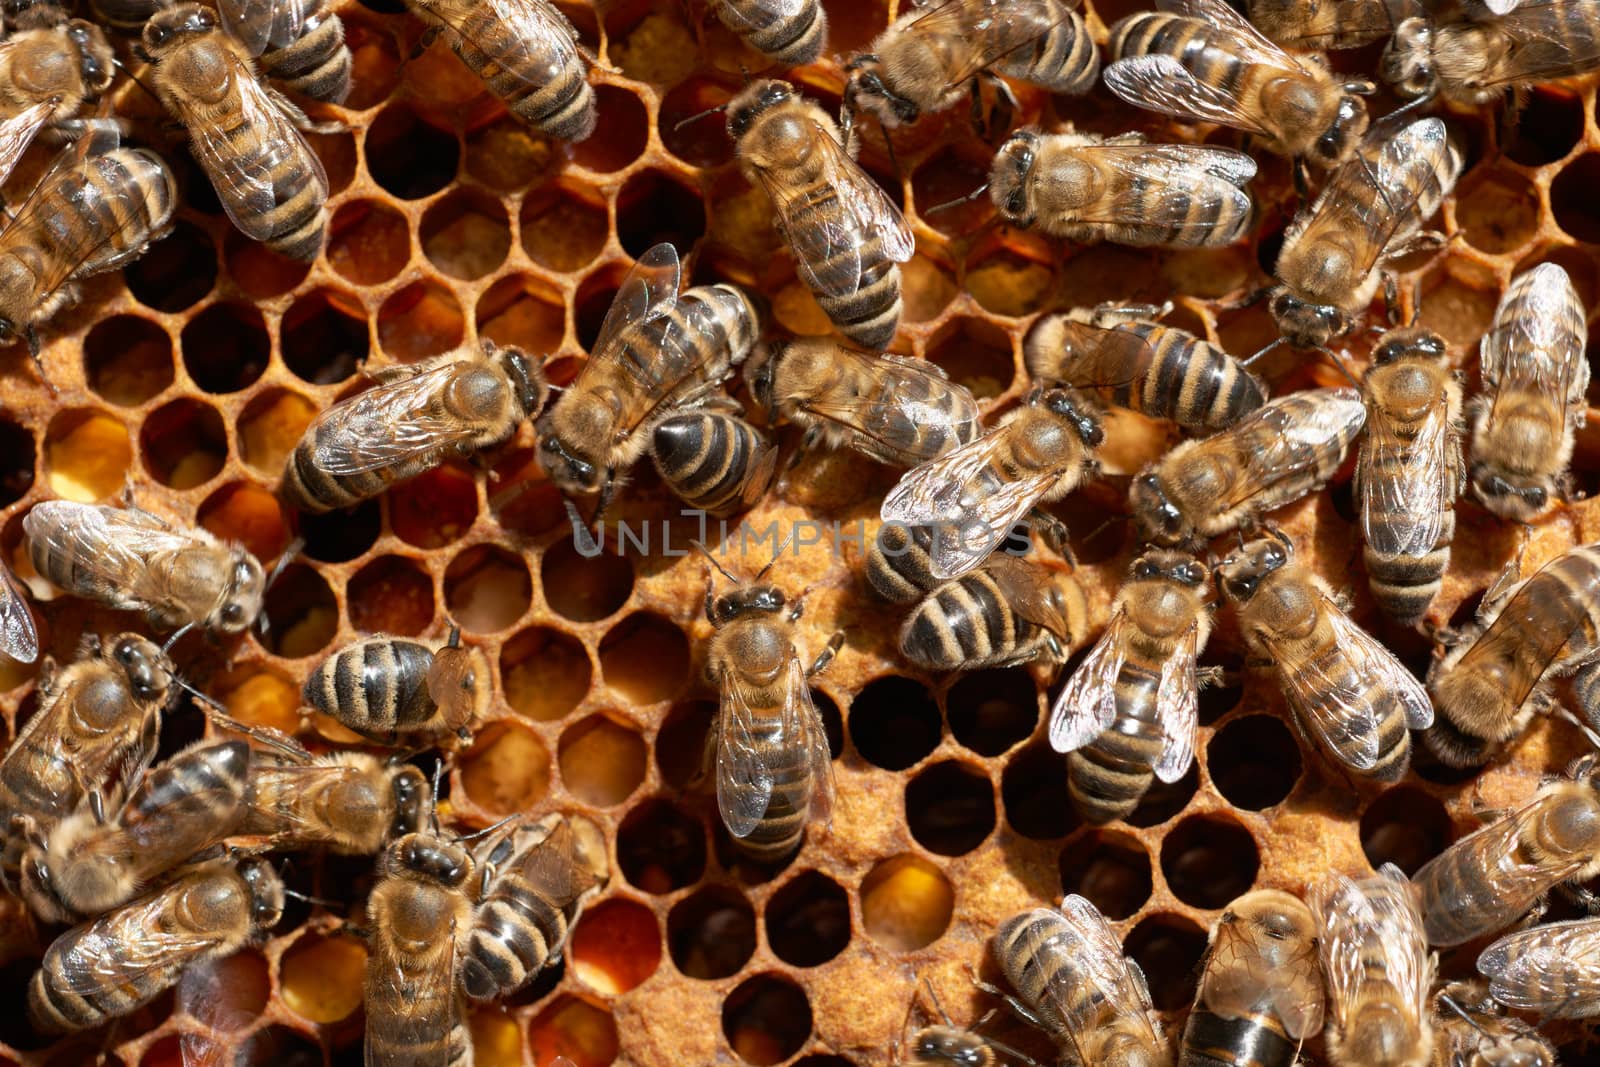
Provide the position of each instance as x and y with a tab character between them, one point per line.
1459	1010
307	898
290	553
696	117
433	813
1339	364
958	201
713	561
219	714
176	635
1268	347
120	65
776	553
487	830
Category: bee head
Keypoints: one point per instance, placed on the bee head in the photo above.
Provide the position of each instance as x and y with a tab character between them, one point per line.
1241	573
1343	134
570	471
1082	417
1302	323
866	90
147	668
1008	177
762	96
1520	498
527	378
1156	515
1407	62
1399	344
430	858
170	24
96	63
266	893
941	1044
412	800
241	598
750	599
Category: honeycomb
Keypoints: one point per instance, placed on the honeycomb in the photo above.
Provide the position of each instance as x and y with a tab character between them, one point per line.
192	375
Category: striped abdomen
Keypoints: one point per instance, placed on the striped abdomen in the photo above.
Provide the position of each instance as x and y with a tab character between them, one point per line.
375	686
199	793
681	353
1322	423
904	416
869	313
1253	1039
317	64
308	487
1108	777
1188	380
1394	738
780	830
1064	60
1034	949
966	624
898	566
792	40
1203	51
712	461
541	80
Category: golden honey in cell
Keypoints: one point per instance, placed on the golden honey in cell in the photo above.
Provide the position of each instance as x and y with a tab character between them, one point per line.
1550	970
388	688
1278	453
299	44
1475	60
50	67
1129	712
1325	25
788	32
1472	1030
414	418
1007	612
350	803
713	461
847	237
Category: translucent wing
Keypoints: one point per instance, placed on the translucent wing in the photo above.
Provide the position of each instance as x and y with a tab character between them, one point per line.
1379	668
1178	709
1095	357
1298	435
1165	182
132	943
1373	918
411	999
744	780
1541	42
904	417
19	639
18	132
552	864
390	424
259	24
1094	958
215	994
1553	970
771	11
1284	980
803	727
110	545
976	35
1405	479
530	41
647	293
1087	704
1029	587
1161	83
1529	350
1240	37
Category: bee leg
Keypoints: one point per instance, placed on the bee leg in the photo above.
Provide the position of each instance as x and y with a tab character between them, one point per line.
292	112
1210	676
1302	184
825	657
1391	298
1055	534
1019	1009
1583	898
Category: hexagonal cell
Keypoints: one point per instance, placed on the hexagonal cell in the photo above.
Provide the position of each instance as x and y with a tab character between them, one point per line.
1459	313
991	711
86	455
506	770
523	312
616	946
302	613
247	513
653	207
766	1019
1007	282
270	427
661	848
808	920
711	933
336	151
225	347
368	242
487	588
1549	125
419	321
435	507
1033	790
496	1036
1571	199
703	142
595	295
627	126
509	156
947	179
1254	761
390	595
584	590
1405	827
228	994
260	697
544	673
894	722
324	336
375	62
1168	949
408	156
975	353
175	272
1110	869
926	289
906	903
17	459
576	1029
1500	213
602	760
1208	860
341	536
259	271
466	234
127	359
950	807
184	444
645	658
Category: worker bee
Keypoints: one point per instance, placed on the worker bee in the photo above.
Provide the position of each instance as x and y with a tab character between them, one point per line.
977	492
894	409
929	57
714	462
243	134
847	236
19	637
1535	377
119	962
345	802
1348	694
536	880
1500	671
1275	455
1006	612
1371	211
130	559
1159	371
944	1042
1201	61
790	32
1130	710
1077	986
1409	471
1473	1031
415	417
1553	970
1472	60
1086	188
386	687
298	42
527	54
50	66
1378	968
1260	994
1311	25
657	354
1493	876
773	767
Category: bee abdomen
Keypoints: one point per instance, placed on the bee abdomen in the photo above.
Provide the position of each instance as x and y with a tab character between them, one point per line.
1108	777
1064	60
707	458
1186	40
510	943
792	40
293	226
1190	381
1404	586
307	487
963	624
784	823
57	1007
898	566
318	64
563	107
374	686
1210	1040
1020	946
870	315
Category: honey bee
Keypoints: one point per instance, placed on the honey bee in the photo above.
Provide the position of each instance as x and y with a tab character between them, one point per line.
1348	694
1086	188
415	417
527	54
50	66
19	637
388	687
119	962
536	880
345	802
657	354
928	58
773	767
1310	25
1260	994
1276	454
1535	376
1130	710
1371	211
1472	60
944	1042
1201	61
1159	371
1006	612
847	236
1501	670
790	32
298	42
1410	470
1553	970
93	861
1473	1031
1378	968
1493	876
977	492
1077	986
715	462
244	135
894	409
129	559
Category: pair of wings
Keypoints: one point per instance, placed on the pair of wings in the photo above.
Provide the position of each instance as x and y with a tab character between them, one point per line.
1371	919
976	34
114	545
745	775
397	990
529	40
901	417
1087	704
1553	969
543	854
1315	25
263	24
1410	480
1544	41
1531	348
1161	184
1290	987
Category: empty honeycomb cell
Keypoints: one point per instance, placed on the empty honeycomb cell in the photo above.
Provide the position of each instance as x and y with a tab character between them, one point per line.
261	697
127	359
487	588
227	994
86	455
257	270
523	312
496	1036
711	933
661	848
699	141
584	589
927	289
408	156
940	187
544	673
602	761
466	233
509	156
368	242
808	920
16	461
225	347
975	353
301	611
645	658
506	770
390	595
1254	761
1163	800
1405	827
653	207
270	427
419	321
1007	282
374	61
336	151
1111	869
184	444
1208	860
341	536
680	746
1499	213
1168	949
323	336
576	1029
435	508
1459	312
894	722
1548	126
176	272
248	514
626	125
279	1046
950	807
766	1019
906	903
991	711
1572	197
167	1052
1033	790
595	295
616	946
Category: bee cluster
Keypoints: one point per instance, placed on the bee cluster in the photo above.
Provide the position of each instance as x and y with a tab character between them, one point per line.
349	655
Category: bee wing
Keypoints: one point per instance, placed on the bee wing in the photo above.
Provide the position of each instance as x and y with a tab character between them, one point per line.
1087	704
389	424
209	996
110	544
1294	439
744	781
18	132
1178	709
1419	491
396	987
647	293
985	32
1544	42
763	465
1026	585
1244	40
259	24
1097	960
530	41
1166	181
1553	970
1529	351
551	863
771	11
19	639
1161	83
901	412
803	724
1373	916
128	945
